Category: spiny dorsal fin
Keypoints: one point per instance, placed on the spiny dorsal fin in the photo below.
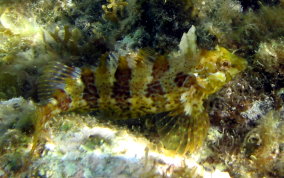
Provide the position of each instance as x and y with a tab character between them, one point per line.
188	55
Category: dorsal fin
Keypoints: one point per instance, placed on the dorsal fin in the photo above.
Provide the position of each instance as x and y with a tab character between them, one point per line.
188	55
148	54
104	75
122	63
161	65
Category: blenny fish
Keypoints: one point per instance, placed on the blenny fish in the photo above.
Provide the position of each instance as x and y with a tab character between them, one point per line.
142	82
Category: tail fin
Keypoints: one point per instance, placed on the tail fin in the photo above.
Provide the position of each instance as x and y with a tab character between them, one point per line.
59	89
56	76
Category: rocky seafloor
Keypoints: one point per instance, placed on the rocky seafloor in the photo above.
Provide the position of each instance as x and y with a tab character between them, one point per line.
246	134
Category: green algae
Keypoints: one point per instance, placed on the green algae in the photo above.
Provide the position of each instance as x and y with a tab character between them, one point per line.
9	87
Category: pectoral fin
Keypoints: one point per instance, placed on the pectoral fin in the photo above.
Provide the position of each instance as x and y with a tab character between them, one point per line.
182	134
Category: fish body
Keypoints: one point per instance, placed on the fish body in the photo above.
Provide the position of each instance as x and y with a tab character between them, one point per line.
140	83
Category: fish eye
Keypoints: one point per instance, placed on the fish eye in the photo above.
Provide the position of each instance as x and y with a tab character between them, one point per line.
226	64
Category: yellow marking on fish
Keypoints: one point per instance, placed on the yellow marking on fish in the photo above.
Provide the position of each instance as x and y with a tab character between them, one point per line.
141	82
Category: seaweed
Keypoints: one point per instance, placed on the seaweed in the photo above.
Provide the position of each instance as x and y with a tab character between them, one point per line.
262	144
114	9
270	55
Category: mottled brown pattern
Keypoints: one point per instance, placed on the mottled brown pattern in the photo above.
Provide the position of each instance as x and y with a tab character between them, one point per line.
184	80
154	88
160	66
130	87
121	87
63	99
90	93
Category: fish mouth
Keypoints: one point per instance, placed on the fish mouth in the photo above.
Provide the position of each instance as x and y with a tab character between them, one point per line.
239	63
